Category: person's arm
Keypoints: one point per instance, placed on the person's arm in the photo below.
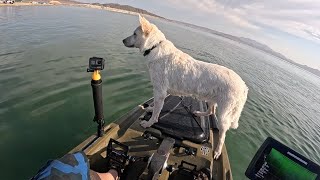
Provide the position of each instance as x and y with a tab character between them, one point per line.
72	166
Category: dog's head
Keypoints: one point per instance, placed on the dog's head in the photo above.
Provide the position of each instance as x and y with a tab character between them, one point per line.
145	36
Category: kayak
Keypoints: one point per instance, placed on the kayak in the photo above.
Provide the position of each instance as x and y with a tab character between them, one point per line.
179	146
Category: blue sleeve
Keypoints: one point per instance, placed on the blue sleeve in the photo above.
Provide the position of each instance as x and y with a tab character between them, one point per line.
71	166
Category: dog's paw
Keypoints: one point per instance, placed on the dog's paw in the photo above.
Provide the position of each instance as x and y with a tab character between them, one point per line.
141	107
199	113
147	109
196	113
216	154
146	124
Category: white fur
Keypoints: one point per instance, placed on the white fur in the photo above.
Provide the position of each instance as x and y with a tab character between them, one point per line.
175	72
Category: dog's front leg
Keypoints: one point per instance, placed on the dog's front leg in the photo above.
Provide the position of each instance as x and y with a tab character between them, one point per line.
158	104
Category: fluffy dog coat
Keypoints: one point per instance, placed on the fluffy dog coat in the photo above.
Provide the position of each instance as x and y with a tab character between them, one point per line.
175	72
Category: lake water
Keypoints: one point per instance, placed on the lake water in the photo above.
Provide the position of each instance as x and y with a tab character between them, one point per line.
46	104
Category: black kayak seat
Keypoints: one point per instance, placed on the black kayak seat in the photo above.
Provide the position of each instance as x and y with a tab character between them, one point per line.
177	120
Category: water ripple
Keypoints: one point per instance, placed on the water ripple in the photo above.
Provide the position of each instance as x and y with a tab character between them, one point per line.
11	53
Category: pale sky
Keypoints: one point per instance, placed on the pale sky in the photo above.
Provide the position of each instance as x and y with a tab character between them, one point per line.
291	27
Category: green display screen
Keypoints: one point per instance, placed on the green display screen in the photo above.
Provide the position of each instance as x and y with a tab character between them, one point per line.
281	167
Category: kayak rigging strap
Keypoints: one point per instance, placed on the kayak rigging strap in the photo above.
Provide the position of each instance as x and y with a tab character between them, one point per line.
184	106
187	108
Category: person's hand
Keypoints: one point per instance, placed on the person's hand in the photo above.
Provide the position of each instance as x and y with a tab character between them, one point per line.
112	174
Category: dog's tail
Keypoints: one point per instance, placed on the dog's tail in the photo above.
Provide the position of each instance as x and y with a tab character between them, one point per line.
237	109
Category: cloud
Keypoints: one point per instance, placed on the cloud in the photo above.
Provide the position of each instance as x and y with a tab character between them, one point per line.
214	8
313	33
304	29
236	19
203	6
297	17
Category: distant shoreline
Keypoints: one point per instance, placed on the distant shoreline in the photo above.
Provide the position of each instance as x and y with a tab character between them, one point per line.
72	4
24	4
110	9
68	4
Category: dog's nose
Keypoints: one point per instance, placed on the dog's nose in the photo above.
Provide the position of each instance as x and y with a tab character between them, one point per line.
124	41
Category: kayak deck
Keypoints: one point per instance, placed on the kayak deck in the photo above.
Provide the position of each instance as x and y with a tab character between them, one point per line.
195	134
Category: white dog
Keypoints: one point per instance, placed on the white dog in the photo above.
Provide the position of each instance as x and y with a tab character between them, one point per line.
177	73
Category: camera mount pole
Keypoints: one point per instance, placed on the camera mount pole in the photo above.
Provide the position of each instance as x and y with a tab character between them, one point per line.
95	65
96	84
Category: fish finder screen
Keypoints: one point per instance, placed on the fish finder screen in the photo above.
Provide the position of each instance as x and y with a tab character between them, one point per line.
275	161
278	166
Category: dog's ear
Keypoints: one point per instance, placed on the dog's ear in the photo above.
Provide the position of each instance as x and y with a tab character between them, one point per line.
145	25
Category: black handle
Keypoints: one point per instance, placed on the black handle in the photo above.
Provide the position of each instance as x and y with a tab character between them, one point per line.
98	105
125	148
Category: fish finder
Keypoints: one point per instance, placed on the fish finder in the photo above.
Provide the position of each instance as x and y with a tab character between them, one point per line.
275	161
95	63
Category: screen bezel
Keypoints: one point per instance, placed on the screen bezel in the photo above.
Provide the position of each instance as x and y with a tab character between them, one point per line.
271	143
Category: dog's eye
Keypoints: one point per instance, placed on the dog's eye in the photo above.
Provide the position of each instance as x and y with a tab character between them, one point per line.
134	34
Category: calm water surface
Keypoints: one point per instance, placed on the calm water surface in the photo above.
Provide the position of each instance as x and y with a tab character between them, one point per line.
46	105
